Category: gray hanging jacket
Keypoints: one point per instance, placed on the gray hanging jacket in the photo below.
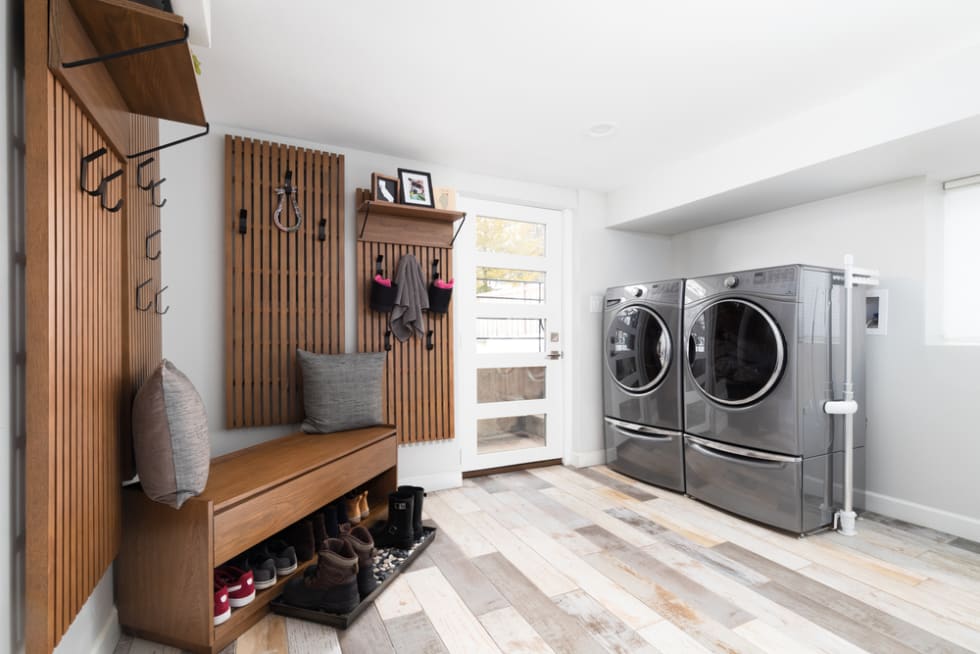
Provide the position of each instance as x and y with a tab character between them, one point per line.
412	297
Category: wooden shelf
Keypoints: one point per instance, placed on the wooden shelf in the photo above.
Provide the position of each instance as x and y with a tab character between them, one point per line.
404	224
410	211
159	83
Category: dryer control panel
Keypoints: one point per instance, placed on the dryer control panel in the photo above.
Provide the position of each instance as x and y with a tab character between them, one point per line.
782	281
665	292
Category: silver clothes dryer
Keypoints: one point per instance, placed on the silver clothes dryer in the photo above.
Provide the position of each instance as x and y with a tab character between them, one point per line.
763	354
642	382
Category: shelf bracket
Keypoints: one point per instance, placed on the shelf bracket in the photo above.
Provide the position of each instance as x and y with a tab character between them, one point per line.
207	130
128	52
458	230
367	214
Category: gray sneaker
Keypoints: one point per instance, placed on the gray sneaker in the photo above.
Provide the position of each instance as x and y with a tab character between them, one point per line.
283	554
263	569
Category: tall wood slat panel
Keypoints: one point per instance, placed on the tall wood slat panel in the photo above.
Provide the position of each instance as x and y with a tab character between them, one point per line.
76	372
283	290
418	383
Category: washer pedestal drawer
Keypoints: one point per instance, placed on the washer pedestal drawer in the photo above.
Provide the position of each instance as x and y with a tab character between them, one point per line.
655	456
764	487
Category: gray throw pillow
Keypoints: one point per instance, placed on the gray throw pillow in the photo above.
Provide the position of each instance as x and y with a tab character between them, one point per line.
341	391
170	437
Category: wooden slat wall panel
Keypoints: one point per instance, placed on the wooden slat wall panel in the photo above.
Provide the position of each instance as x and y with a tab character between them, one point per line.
77	378
143	328
283	291
418	383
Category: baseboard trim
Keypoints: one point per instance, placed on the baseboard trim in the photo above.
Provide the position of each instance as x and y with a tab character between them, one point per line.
920	514
586	459
434	482
109	635
514	468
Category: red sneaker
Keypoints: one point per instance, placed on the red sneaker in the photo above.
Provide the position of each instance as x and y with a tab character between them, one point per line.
241	585
222	609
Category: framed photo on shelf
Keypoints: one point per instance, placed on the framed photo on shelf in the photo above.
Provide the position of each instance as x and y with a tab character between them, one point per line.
384	188
416	188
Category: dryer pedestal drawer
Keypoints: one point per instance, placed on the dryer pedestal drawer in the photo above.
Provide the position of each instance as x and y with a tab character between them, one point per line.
653	455
757	485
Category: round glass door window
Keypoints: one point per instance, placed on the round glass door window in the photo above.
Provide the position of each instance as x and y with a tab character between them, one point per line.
735	352
637	349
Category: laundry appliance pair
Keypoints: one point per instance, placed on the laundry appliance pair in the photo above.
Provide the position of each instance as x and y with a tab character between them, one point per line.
715	386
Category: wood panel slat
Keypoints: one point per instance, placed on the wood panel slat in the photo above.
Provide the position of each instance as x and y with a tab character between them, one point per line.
76	259
418	383
283	290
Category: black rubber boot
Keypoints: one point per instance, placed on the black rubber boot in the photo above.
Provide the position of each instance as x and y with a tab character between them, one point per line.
341	510
419	494
398	530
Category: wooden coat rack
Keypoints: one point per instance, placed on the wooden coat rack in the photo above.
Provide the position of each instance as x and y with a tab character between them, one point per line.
87	250
284	290
418	381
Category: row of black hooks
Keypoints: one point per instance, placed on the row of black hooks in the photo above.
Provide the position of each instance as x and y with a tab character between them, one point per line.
152	304
286	193
429	344
101	190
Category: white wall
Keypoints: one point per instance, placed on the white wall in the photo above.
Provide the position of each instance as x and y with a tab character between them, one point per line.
912	101
922	445
600	258
193	267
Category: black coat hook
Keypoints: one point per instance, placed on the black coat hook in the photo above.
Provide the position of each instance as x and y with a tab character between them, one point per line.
321	232
139	175
387	340
156	302
138	289
429	345
242	221
104	187
435	269
149	237
83	176
153	193
379	265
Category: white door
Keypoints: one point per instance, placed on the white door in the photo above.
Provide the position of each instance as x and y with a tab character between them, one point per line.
508	294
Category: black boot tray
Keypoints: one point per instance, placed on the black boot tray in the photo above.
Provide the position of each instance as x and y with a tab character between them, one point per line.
342	621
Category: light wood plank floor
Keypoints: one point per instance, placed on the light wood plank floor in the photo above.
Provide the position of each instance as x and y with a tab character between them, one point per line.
564	560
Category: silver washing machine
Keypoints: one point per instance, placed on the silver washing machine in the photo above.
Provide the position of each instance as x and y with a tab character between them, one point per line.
642	382
763	355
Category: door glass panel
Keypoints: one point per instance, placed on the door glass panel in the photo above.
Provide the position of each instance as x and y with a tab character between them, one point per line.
510	384
735	352
509	285
511	433
510	237
637	349
509	335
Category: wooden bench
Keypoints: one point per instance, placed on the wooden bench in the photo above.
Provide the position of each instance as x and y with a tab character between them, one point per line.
164	573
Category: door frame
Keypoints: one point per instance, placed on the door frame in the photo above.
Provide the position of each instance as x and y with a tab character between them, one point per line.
468	362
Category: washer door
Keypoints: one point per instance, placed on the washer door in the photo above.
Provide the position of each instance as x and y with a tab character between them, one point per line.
637	349
735	352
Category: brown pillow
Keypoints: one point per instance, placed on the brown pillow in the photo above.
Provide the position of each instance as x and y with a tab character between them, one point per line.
170	437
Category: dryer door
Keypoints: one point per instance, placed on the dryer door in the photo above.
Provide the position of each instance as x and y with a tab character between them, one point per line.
736	352
637	349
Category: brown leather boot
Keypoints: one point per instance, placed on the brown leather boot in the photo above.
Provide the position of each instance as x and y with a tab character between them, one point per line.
330	585
361	542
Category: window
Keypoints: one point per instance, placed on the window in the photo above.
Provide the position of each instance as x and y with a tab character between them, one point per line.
961	245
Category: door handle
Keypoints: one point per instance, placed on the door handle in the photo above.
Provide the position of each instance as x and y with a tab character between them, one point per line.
553	355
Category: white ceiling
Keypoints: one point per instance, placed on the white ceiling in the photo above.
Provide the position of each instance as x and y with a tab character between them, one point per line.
509	87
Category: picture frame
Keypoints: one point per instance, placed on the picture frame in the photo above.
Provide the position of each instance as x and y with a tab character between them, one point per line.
445	198
416	188
384	188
